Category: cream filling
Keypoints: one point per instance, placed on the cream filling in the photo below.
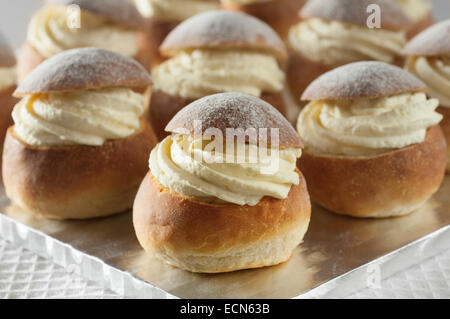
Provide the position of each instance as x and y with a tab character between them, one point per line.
435	73
367	127
49	33
337	43
416	10
203	72
8	78
191	167
175	10
79	117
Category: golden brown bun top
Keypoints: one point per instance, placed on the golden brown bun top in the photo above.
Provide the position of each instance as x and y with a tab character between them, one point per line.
7	57
84	69
234	111
119	11
432	42
355	11
362	80
223	29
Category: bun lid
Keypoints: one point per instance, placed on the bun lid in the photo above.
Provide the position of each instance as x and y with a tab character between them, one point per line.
362	80
84	69
235	111
355	11
432	42
223	29
7	56
120	11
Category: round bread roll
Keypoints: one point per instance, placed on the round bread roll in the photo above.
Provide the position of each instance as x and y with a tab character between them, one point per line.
429	59
77	180
8	79
209	235
209	54
330	35
279	14
115	12
387	181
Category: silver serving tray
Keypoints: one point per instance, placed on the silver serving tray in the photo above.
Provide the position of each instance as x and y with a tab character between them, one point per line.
339	255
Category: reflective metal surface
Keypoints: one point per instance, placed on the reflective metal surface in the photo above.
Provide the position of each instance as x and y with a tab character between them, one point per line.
108	251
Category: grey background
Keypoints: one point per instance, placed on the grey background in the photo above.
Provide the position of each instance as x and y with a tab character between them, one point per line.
15	14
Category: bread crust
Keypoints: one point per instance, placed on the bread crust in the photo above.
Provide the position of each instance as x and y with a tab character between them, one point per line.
391	184
7	103
280	14
29	58
151	38
366	79
163	107
76	182
433	41
301	72
211	238
419	26
355	11
223	29
445	125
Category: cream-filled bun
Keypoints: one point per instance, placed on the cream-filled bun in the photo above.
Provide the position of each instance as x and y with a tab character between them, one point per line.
8	80
373	146
279	14
164	15
420	14
333	33
80	144
429	59
218	200
215	52
62	25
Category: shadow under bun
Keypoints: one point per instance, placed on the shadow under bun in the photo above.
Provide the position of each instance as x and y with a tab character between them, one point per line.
362	80
223	29
433	41
355	12
84	69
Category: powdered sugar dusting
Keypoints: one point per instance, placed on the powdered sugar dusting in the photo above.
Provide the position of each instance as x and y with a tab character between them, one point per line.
355	11
223	29
119	11
233	111
432	42
362	80
85	68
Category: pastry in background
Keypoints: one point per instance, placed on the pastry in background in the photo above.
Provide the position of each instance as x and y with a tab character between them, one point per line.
216	52
79	147
201	212
419	12
106	24
279	14
164	15
8	79
373	146
429	60
335	32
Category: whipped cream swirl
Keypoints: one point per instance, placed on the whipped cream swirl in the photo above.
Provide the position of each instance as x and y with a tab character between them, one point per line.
336	43
79	117
203	72
174	164
367	127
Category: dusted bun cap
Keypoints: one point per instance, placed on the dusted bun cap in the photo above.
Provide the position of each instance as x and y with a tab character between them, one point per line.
432	42
119	11
355	11
84	69
223	29
362	80
7	57
234	111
